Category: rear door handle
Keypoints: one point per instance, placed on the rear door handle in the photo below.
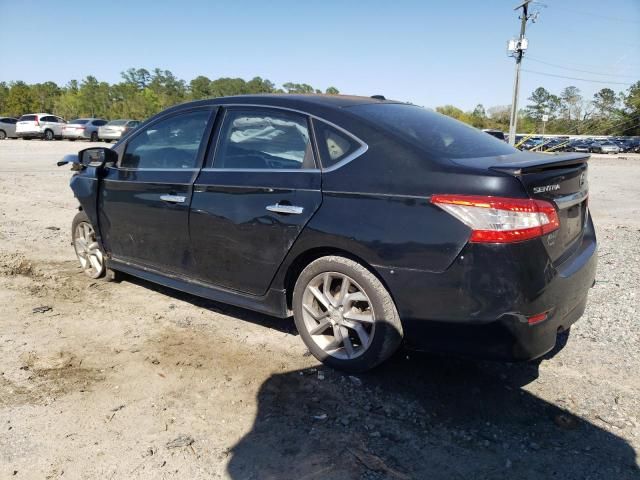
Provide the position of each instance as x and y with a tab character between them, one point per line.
173	198
280	208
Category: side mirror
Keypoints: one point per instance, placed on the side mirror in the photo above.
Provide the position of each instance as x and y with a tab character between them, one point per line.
97	157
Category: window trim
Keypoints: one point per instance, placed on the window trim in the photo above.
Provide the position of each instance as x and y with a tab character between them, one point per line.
210	162
204	144
352	156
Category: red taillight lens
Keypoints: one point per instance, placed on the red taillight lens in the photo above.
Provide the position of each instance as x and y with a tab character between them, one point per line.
499	219
541	317
37	123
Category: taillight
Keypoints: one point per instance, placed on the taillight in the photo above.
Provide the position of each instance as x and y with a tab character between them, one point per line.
36	122
499	219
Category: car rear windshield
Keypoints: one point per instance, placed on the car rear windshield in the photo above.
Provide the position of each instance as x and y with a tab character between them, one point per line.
79	121
117	123
440	136
28	118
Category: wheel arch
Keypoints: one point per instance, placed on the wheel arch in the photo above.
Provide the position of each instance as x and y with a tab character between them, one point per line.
302	259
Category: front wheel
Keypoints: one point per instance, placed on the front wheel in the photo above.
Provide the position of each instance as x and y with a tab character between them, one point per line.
3	135
48	135
94	136
87	249
344	314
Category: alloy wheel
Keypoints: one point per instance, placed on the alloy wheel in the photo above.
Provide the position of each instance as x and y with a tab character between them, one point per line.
338	315
88	251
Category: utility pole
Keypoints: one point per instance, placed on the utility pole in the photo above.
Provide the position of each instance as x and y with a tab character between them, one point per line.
516	49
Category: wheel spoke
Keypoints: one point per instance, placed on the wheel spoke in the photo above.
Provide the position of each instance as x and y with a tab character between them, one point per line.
313	313
95	263
362	334
322	326
81	243
366	317
348	346
354	297
326	288
344	290
321	297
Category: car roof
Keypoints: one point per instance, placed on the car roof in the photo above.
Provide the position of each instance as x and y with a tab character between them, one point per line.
310	103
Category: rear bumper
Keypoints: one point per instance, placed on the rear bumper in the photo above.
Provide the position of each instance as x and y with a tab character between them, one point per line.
72	134
109	135
480	304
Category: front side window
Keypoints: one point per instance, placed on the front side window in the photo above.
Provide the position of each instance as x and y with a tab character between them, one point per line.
172	143
99	123
264	139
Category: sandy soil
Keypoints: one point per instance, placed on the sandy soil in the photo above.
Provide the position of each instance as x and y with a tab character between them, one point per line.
130	380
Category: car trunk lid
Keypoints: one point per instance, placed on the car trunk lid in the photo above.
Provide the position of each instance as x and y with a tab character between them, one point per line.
560	179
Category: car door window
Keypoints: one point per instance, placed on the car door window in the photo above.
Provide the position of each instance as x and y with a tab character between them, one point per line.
172	143
264	139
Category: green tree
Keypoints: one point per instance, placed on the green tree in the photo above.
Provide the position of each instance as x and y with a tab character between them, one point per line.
332	91
20	99
199	87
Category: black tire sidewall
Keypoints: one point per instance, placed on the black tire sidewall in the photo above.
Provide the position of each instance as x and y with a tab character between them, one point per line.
3	135
385	331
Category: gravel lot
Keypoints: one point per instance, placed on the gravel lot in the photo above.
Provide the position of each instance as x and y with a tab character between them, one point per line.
130	380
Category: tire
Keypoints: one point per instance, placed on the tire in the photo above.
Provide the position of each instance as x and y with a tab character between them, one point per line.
90	249
370	340
3	135
71	139
26	138
94	136
48	135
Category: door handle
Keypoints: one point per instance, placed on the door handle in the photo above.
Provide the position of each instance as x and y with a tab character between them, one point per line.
280	208
173	198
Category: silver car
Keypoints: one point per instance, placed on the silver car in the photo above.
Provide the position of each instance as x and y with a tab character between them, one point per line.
116	128
83	128
8	127
605	147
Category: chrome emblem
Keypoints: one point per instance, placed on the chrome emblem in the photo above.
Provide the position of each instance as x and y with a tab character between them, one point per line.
546	188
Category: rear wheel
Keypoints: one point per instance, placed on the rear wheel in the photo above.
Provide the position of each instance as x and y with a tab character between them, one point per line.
48	135
344	314
3	134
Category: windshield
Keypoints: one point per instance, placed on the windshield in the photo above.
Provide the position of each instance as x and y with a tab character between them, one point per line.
439	135
117	123
79	121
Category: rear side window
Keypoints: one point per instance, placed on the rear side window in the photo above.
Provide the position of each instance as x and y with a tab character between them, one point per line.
99	123
441	137
334	145
49	118
264	139
28	118
172	143
133	124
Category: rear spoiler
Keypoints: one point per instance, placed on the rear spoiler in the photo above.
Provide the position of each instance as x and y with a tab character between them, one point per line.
540	163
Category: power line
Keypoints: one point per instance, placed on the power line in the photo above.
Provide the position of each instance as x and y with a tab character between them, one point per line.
579	79
579	70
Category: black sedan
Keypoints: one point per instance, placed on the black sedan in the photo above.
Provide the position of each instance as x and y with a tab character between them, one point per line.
372	222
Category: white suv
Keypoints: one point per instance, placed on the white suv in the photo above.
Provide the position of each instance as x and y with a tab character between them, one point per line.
39	125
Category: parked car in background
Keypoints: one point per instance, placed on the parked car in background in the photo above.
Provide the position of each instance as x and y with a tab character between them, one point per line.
83	128
40	125
581	146
605	147
470	246
7	127
116	128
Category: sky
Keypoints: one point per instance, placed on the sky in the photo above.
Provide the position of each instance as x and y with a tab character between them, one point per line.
429	52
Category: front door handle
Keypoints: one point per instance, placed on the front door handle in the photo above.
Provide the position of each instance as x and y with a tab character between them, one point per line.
173	198
280	208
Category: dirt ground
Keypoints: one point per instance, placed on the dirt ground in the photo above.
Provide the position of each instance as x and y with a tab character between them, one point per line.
130	380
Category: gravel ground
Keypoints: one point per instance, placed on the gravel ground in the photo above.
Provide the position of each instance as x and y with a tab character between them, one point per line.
130	380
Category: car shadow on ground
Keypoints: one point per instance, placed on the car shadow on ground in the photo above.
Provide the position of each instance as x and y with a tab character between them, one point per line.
422	417
278	324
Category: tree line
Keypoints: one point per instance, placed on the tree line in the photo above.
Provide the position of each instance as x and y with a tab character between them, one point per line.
568	113
138	95
142	93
